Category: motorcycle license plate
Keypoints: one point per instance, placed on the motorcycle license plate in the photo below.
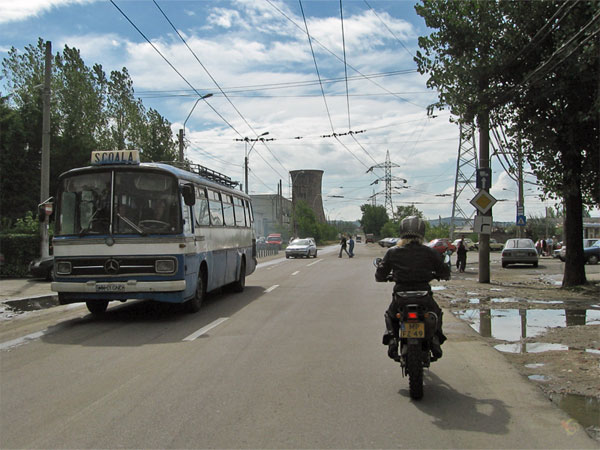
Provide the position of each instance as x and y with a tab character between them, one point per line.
413	330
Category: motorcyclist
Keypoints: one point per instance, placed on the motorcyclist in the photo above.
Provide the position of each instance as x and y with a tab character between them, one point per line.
413	265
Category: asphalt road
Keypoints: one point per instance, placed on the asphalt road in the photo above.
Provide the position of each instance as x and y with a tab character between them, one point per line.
295	361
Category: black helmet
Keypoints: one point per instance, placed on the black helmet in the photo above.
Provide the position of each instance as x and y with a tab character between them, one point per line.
412	226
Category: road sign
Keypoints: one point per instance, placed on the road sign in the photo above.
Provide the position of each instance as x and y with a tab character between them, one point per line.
521	221
483	201
483	178
482	224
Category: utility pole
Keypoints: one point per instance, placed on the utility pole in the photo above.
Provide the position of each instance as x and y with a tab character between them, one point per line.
45	180
484	163
181	145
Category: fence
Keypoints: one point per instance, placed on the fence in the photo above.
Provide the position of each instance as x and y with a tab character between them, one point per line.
263	250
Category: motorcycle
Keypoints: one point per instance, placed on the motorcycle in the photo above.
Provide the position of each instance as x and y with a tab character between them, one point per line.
418	328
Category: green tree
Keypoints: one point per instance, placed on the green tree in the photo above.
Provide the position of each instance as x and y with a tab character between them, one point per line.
390	229
157	141
407	211
533	65
373	218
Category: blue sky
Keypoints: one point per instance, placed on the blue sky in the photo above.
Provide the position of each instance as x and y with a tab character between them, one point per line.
257	52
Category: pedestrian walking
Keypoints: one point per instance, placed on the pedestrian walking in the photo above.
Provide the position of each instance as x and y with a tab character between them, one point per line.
461	256
351	247
343	244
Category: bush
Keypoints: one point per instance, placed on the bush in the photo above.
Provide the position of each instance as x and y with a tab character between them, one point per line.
18	250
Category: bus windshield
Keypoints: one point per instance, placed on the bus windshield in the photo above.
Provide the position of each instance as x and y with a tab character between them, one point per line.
119	202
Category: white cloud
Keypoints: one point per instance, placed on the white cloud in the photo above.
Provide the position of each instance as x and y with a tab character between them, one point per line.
14	11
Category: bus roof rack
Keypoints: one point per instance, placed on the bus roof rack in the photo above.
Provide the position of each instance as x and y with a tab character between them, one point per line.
205	172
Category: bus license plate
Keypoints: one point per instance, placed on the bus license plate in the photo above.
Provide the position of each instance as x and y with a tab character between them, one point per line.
413	330
110	287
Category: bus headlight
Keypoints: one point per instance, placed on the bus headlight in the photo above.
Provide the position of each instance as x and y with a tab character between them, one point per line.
63	268
164	266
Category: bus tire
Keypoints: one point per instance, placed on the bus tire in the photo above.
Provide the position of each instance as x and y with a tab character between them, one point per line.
193	305
240	284
97	307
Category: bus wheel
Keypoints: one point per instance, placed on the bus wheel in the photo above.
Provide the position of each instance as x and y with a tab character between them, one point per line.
194	304
97	307
240	284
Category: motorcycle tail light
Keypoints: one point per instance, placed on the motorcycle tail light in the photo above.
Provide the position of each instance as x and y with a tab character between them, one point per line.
412	315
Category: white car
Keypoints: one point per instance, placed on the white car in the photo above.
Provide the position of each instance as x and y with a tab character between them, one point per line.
301	247
469	244
519	251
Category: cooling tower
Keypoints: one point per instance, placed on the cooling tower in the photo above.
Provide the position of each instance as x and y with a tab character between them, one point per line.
306	186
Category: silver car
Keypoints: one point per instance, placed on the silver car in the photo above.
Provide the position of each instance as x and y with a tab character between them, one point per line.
519	251
301	247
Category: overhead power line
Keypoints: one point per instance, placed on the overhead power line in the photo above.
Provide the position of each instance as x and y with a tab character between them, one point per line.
172	66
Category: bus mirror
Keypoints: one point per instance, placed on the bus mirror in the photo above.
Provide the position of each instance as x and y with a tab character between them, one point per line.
187	190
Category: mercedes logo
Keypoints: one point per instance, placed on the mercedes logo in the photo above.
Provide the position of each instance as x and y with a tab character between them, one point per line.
111	266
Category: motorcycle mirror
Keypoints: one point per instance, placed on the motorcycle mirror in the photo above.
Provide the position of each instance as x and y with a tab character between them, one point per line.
376	262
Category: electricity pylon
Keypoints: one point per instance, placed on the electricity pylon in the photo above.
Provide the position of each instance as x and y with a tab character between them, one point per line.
387	178
466	173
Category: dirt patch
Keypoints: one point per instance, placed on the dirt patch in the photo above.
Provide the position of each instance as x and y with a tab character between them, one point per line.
550	334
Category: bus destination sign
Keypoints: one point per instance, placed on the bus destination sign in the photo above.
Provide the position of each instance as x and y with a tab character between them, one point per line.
115	157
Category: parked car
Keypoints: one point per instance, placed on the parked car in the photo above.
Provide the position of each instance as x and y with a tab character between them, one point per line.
441	245
469	244
556	251
369	238
358	238
274	239
42	268
494	245
587	242
519	251
301	247
388	242
592	253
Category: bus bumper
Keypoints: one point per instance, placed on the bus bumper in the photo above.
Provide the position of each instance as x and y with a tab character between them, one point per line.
115	287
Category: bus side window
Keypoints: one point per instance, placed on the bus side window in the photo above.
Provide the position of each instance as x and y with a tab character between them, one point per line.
240	216
228	210
201	212
216	210
249	212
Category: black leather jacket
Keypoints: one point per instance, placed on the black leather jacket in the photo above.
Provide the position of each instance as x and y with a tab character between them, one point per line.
413	267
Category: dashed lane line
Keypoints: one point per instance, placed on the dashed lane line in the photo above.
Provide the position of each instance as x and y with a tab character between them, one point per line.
205	329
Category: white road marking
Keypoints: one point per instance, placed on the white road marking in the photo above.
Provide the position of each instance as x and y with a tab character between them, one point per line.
275	286
313	263
296	272
205	329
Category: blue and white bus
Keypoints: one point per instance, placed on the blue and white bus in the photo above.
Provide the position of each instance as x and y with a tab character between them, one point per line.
130	230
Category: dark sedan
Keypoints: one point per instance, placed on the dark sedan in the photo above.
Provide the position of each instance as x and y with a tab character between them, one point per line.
592	253
42	268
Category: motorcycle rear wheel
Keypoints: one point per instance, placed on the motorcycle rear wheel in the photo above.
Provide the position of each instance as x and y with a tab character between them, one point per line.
414	367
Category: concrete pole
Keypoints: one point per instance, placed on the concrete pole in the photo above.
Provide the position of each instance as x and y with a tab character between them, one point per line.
484	163
45	180
180	145
521	201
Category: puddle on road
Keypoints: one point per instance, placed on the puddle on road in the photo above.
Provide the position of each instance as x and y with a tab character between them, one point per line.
585	410
540	378
515	324
31	304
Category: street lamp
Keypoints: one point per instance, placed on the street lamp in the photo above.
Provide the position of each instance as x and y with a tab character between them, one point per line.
247	152
182	131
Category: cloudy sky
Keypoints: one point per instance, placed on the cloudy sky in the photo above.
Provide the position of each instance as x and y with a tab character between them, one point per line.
255	58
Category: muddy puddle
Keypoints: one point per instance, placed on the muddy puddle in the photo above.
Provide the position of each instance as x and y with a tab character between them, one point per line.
29	304
521	326
517	324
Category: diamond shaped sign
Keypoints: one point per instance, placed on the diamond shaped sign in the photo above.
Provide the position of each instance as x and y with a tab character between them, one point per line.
483	201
